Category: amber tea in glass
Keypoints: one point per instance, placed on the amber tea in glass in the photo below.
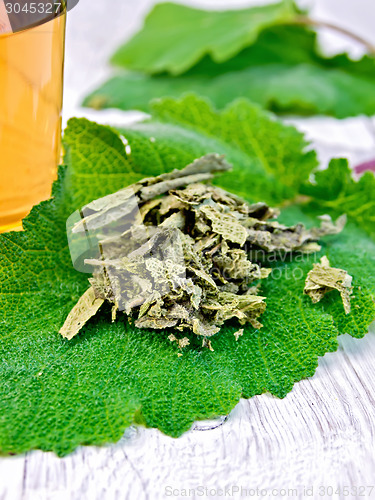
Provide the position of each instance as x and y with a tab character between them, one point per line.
31	83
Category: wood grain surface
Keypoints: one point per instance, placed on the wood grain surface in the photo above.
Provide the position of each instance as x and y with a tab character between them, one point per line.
318	442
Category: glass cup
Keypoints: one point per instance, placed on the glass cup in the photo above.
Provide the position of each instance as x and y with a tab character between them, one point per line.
31	86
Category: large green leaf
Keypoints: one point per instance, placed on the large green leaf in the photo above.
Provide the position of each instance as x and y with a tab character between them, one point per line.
270	160
175	37
335	191
88	144
339	253
282	71
55	394
305	89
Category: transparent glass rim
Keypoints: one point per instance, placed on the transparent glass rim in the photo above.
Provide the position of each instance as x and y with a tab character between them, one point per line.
62	9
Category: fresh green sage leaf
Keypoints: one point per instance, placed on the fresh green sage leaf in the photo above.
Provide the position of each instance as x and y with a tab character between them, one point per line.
57	394
175	37
336	191
283	70
270	160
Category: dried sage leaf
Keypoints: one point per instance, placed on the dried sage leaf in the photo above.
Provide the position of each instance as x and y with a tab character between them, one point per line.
238	334
87	306
323	279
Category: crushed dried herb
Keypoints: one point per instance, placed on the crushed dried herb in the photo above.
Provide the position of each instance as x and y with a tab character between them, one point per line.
173	251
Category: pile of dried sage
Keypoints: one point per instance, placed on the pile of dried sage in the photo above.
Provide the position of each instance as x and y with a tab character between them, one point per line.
176	251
